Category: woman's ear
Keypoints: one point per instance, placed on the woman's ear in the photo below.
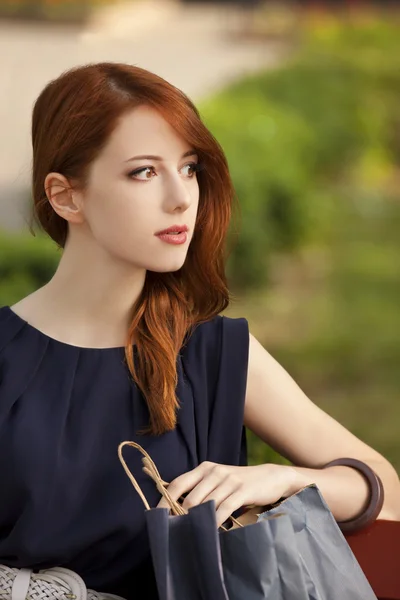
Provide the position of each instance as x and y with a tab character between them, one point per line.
65	200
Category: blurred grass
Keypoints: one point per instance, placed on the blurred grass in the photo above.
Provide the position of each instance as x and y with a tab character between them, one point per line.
335	328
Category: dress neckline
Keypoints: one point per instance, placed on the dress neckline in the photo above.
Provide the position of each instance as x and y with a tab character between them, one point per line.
30	327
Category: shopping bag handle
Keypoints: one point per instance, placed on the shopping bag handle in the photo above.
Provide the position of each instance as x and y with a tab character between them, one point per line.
151	470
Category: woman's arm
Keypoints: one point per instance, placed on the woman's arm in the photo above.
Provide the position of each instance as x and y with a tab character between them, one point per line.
278	412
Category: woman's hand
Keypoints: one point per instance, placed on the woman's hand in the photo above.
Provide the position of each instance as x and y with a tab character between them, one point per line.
234	487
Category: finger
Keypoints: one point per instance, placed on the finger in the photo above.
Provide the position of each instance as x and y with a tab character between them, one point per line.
228	506
186	482
214	486
208	484
223	492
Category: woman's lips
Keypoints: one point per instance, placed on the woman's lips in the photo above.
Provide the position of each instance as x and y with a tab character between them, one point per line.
173	238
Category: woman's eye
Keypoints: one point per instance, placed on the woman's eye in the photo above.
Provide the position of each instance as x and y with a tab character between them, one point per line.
193	167
140	171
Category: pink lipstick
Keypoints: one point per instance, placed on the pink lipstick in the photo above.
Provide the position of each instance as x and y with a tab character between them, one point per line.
176	234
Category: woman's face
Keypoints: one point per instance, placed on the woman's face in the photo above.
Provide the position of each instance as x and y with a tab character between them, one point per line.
128	200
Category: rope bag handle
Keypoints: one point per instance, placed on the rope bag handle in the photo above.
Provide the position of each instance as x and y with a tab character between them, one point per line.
151	470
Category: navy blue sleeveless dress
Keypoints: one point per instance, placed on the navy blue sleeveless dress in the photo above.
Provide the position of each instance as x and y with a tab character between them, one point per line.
65	499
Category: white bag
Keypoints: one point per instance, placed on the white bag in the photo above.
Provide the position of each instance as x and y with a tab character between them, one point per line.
49	584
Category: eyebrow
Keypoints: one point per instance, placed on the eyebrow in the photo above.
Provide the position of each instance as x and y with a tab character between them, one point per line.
159	158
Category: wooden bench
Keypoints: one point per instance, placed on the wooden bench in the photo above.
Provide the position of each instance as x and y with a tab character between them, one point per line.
377	549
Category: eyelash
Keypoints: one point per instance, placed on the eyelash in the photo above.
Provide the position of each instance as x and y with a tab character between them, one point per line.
195	166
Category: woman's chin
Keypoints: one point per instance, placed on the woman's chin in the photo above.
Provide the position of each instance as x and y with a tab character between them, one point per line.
167	266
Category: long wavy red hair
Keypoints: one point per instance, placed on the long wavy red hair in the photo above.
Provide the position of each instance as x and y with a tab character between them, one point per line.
72	120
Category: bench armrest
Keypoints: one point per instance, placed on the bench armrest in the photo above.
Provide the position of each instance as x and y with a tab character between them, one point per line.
377	549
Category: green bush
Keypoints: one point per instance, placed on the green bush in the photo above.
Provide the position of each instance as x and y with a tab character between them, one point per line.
341	342
300	136
26	263
270	173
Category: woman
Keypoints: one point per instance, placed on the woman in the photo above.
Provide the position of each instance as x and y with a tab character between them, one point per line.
126	342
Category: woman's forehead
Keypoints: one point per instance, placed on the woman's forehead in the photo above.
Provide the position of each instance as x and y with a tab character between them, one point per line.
144	131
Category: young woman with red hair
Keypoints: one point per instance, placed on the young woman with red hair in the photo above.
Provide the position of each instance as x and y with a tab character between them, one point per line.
126	342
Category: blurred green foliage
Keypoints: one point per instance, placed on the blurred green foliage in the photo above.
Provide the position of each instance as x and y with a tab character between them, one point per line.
331	152
320	138
26	263
50	10
314	151
296	136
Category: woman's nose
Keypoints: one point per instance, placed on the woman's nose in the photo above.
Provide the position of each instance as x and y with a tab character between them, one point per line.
179	197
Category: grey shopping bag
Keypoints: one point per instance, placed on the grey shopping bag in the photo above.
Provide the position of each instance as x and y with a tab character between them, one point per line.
294	551
330	567
194	561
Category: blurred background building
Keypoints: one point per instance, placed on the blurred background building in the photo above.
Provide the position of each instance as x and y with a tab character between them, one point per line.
304	97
